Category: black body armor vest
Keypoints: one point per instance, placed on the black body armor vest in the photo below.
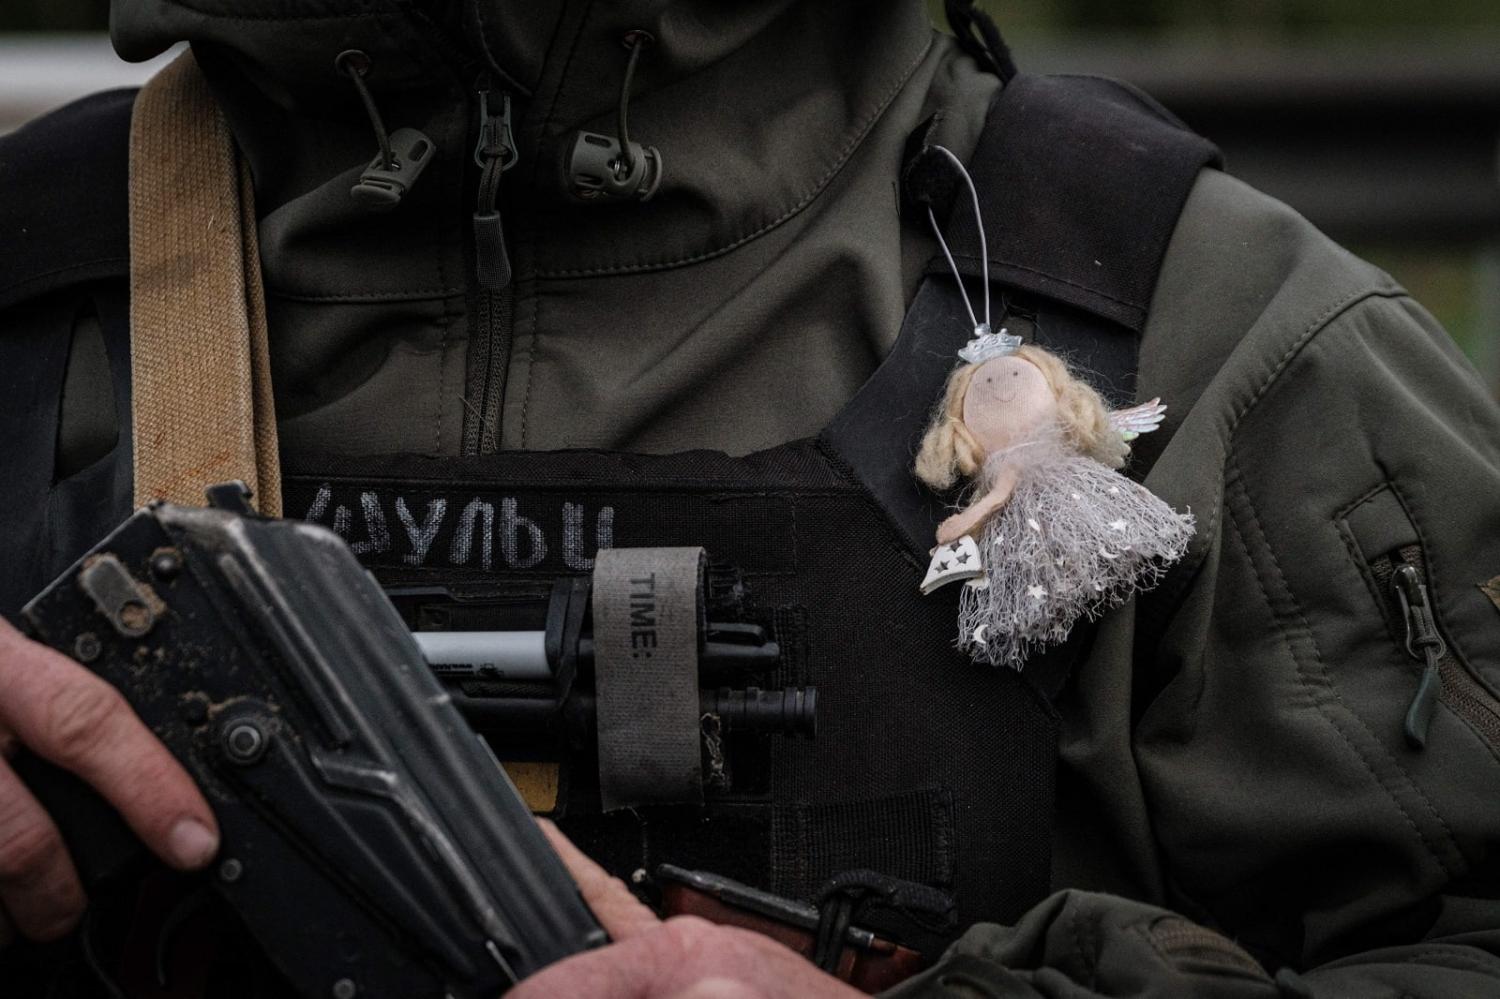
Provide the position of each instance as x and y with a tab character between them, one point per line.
922	767
925	767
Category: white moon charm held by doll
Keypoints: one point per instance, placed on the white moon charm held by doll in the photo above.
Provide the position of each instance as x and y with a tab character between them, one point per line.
1060	534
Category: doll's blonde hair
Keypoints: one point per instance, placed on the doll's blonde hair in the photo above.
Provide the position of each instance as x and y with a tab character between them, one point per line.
949	449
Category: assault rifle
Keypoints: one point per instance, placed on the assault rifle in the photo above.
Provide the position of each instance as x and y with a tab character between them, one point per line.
371	843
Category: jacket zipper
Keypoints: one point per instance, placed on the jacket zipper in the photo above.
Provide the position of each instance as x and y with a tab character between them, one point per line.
1443	678
493	302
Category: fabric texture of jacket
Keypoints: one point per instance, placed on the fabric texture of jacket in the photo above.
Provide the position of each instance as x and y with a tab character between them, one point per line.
1240	810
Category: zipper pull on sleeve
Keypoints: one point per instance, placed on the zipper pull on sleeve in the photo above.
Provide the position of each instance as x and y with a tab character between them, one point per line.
495	152
1424	644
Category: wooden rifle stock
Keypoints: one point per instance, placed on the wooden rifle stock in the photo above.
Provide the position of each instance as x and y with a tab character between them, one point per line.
866	961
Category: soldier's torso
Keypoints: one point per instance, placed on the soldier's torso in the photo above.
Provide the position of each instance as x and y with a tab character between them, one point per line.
924	767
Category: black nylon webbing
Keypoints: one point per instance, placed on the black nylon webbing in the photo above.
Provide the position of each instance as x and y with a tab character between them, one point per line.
913	833
1080	183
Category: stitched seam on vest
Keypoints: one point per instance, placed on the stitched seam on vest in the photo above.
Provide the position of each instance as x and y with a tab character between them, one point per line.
840	161
997	262
895	534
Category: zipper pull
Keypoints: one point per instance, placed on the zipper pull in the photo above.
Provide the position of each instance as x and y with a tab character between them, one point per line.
495	152
1423	643
496	138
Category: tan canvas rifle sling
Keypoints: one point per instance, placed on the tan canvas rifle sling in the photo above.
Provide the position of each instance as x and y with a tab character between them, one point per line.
201	401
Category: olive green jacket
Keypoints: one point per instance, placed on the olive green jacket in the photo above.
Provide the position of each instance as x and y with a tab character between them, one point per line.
1234	751
1234	764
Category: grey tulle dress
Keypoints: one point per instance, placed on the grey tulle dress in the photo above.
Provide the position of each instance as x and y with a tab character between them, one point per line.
1076	539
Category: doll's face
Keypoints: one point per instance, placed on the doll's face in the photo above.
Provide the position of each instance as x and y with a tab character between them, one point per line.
1007	401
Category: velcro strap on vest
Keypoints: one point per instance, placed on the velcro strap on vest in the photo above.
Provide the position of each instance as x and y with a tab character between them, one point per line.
647	606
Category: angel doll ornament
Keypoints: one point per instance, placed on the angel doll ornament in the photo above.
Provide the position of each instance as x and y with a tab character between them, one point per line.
1051	532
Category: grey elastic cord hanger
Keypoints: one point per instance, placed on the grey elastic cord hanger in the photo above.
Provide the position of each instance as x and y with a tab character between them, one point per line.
984	250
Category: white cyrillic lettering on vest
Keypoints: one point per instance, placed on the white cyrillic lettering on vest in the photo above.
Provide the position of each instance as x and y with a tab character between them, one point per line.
341	518
378	535
522	540
421	537
319	506
604	529
511	524
604	535
481	515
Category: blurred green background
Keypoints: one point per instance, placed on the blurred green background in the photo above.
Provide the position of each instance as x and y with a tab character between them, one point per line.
1275	18
1378	119
1450	47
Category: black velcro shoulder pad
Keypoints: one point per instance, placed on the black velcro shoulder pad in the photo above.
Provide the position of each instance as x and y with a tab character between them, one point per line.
63	197
1081	181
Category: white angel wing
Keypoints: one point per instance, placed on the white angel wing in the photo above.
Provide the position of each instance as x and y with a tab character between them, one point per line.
1138	420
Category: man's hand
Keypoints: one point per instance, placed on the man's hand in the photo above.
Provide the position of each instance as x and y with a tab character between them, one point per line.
682	958
63	713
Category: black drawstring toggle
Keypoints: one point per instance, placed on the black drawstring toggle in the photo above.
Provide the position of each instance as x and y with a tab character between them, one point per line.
614	167
383	186
402	156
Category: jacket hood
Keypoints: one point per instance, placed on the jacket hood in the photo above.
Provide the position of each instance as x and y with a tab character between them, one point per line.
754	105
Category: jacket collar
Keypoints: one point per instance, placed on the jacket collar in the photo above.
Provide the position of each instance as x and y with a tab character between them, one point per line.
755	107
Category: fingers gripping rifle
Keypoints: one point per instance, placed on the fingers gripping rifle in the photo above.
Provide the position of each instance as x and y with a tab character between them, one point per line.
376	847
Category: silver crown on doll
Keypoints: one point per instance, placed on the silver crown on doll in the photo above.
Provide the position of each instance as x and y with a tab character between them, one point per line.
986	345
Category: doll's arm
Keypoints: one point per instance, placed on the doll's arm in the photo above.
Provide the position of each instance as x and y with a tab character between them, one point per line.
969	520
